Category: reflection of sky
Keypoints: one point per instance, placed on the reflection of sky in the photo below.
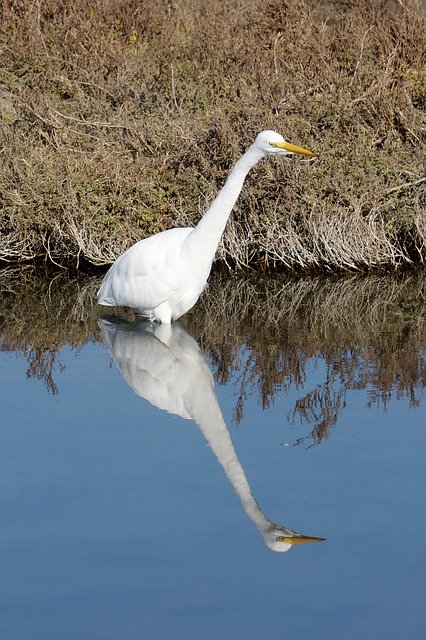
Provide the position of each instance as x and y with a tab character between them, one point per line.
118	522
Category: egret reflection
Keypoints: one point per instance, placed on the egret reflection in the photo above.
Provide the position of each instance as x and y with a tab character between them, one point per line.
165	365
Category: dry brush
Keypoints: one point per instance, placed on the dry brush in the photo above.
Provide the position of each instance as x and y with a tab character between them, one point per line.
120	118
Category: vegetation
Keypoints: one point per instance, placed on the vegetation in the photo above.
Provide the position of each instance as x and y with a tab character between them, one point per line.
369	332
120	118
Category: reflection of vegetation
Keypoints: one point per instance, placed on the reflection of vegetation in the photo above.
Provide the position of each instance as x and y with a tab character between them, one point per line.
40	313
321	406
369	333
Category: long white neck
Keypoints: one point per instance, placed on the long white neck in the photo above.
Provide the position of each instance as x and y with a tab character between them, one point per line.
165	365
207	233
208	416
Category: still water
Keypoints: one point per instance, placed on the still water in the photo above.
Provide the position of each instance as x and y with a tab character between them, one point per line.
151	477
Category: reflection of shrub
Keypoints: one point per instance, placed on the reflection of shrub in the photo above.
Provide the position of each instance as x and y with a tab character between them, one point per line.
41	312
122	118
370	332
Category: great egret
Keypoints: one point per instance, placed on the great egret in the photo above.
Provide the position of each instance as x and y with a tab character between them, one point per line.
165	365
162	276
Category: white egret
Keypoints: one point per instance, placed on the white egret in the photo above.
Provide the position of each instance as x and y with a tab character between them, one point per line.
162	276
165	365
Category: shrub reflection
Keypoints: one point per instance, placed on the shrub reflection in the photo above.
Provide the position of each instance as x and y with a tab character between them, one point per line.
369	332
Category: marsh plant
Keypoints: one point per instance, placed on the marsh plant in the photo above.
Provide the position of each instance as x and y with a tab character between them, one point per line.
120	118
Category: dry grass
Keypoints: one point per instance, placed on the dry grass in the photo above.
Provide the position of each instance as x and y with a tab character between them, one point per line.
122	117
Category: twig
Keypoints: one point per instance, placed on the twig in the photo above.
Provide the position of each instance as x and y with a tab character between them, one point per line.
360	56
404	185
173	87
277	39
93	123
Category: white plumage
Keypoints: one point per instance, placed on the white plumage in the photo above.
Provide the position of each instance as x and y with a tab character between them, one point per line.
162	277
165	365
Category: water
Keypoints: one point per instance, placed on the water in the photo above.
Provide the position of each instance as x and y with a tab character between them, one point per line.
140	500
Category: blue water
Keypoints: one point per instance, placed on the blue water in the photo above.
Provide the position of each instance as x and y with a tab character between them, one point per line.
118	519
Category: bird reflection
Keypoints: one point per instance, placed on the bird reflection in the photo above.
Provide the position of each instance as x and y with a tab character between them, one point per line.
165	365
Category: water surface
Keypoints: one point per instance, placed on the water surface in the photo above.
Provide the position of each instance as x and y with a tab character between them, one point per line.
142	497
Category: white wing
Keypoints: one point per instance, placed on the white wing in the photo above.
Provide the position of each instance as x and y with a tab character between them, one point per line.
147	273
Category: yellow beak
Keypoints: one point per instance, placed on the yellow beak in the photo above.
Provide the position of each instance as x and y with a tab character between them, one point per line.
294	149
298	539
